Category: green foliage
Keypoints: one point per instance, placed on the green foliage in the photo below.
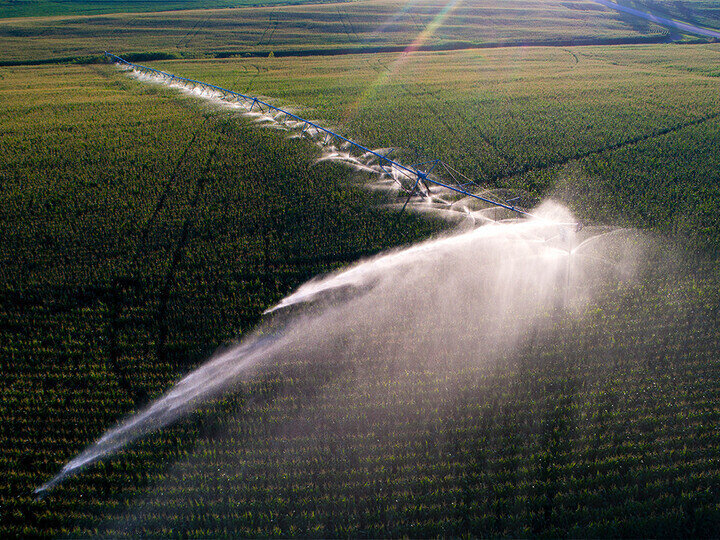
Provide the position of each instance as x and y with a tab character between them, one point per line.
630	118
40	8
317	28
671	183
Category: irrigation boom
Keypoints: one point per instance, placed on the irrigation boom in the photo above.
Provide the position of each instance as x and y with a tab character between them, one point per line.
419	176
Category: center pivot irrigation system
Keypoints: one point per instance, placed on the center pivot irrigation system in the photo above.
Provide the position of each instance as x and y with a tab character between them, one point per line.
421	178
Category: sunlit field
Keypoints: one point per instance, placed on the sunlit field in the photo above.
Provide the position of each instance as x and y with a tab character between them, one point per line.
364	26
545	120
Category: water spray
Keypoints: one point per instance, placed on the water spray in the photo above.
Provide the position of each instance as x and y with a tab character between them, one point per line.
491	288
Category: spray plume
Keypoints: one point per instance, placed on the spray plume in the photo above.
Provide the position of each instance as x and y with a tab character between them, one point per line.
487	288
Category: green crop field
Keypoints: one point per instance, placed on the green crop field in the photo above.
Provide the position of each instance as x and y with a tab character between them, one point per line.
363	26
140	234
38	8
141	229
528	119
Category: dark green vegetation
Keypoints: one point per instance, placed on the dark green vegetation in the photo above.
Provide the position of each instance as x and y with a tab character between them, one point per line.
364	26
139	230
603	427
41	8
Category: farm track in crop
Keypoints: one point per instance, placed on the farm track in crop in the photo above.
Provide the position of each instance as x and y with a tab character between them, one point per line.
165	291
131	290
348	28
193	32
449	126
164	194
420	27
274	28
465	121
437	96
272	23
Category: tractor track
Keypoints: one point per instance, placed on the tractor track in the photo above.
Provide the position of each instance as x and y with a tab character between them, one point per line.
127	291
272	22
609	148
166	289
193	32
435	94
159	205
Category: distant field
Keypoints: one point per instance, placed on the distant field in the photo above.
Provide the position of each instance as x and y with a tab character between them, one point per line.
41	8
366	26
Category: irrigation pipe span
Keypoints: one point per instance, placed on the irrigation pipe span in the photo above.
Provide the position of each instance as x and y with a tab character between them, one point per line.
412	172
